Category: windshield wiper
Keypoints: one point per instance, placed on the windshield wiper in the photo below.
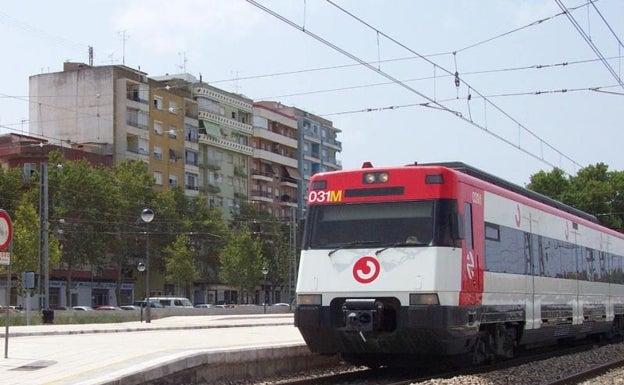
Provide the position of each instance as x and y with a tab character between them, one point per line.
400	244
349	244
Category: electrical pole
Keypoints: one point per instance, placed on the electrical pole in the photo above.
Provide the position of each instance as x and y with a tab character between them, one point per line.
44	252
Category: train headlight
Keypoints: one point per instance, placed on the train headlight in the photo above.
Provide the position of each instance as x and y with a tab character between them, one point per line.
376	177
424	299
309	299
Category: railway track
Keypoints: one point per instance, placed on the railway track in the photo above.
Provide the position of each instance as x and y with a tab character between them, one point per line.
589	374
500	373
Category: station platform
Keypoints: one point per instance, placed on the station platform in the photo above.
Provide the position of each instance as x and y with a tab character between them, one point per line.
138	353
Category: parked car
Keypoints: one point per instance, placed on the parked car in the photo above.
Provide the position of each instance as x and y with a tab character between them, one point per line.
82	308
173	301
130	307
152	303
204	305
107	307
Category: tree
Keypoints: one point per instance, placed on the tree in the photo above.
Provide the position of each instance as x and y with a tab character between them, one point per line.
25	243
208	234
12	186
553	184
242	261
594	189
132	190
78	195
180	264
275	238
25	251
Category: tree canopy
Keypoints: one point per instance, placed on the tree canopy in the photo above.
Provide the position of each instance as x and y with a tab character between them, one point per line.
94	223
594	189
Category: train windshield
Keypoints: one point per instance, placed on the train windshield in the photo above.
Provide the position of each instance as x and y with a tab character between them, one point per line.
407	223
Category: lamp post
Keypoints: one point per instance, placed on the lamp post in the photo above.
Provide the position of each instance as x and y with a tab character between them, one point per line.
147	215
265	271
141	268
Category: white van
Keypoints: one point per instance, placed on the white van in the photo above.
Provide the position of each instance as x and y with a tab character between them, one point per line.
172	301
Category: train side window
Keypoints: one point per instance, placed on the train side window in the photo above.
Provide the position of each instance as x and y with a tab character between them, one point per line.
468	225
492	232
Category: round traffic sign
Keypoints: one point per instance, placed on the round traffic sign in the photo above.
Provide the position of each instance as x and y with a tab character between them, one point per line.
6	230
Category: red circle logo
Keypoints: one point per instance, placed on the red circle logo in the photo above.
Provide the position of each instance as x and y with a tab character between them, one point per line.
366	269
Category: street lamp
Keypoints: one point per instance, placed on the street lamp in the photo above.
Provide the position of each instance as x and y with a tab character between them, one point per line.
147	215
141	268
265	271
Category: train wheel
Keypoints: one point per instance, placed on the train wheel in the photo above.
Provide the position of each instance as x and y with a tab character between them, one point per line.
494	341
481	353
508	341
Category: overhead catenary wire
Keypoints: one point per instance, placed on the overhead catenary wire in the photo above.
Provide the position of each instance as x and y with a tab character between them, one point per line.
379	61
469	97
589	42
422	95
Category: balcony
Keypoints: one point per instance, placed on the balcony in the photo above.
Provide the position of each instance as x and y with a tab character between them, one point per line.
226	144
222	98
274	157
288	182
261	196
223	121
275	137
333	143
260	175
212	189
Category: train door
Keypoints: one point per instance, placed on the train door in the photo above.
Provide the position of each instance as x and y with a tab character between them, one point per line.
473	246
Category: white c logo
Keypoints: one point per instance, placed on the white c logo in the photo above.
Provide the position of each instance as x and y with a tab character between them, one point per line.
366	269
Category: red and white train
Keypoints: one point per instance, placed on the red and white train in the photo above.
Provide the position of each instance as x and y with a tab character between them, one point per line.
446	260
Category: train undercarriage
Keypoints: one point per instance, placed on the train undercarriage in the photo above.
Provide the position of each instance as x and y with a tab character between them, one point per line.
379	332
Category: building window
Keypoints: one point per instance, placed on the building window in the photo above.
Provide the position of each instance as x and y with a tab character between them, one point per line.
158	178
191	181
191	133
173	132
173	107
190	157
143	146
158	103
158	130
173	181
30	169
158	154
259	122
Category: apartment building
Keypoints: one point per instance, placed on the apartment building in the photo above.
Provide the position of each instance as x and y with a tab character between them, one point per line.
317	145
216	144
225	130
274	169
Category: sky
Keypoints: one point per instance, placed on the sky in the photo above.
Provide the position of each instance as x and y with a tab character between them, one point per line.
536	88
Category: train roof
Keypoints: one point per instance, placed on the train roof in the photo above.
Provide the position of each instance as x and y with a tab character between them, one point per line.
489	178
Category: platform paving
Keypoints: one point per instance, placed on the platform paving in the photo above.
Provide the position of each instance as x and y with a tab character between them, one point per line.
93	354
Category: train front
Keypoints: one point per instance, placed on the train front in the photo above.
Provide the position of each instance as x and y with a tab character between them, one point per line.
380	271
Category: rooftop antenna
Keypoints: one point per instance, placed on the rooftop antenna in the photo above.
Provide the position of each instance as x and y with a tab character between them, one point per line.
235	73
124	37
183	58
